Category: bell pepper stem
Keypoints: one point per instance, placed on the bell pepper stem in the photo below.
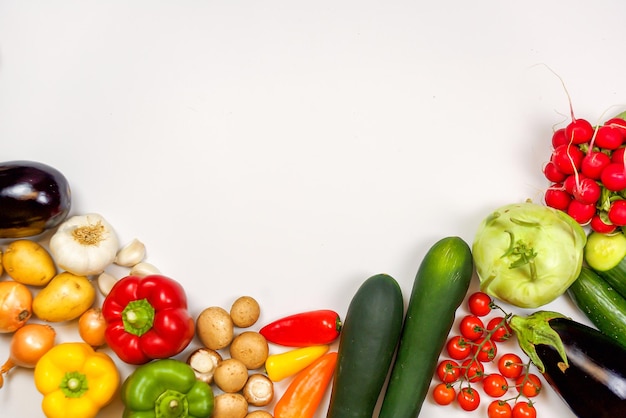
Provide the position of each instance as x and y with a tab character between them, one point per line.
171	404
138	317
74	384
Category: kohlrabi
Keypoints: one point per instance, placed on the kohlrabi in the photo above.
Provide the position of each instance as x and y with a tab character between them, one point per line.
528	254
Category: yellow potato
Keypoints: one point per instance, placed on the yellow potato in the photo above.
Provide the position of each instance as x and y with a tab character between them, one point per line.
28	262
66	297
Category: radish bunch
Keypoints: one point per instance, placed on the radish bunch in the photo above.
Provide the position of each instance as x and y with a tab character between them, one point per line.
587	171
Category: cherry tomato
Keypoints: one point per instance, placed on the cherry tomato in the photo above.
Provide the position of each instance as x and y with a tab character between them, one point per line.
458	348
495	385
528	385
510	365
479	303
468	399
499	409
472	327
485	350
499	328
474	370
524	410
448	371
443	394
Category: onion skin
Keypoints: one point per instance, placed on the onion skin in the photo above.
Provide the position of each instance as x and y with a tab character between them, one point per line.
34	197
16	305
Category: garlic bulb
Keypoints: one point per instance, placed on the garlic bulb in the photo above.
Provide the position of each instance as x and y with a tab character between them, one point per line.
84	244
132	253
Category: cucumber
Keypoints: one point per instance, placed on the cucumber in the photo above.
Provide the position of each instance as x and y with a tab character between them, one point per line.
604	307
368	339
441	283
606	255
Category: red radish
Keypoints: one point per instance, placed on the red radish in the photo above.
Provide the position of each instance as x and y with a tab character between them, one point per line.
614	177
572	182
556	197
600	226
593	163
553	174
581	212
587	191
559	138
608	137
579	131
617	156
617	123
617	213
567	158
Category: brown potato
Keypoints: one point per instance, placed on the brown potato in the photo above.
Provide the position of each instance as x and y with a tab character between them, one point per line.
251	348
215	328
245	311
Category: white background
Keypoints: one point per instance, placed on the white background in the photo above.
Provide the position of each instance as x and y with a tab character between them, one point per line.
289	150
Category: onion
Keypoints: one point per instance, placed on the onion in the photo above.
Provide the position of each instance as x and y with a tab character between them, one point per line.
91	327
28	345
16	307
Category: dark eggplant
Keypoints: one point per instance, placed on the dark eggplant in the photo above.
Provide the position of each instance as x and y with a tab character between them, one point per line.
592	382
34	197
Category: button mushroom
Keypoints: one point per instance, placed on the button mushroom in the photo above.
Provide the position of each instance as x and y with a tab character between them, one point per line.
204	361
259	390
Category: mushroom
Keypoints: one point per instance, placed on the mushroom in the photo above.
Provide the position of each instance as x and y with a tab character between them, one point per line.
204	361
230	375
259	390
230	405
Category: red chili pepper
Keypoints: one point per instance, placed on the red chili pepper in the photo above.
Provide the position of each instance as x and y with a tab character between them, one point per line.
147	318
304	329
304	394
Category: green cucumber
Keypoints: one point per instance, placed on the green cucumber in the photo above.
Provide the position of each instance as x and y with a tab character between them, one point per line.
369	336
441	284
604	307
606	255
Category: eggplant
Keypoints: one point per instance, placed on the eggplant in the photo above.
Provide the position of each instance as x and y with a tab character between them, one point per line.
586	367
34	197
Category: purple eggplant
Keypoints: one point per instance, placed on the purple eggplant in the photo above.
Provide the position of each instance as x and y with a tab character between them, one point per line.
34	197
584	366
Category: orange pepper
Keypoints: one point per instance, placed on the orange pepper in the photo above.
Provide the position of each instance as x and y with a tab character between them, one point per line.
305	392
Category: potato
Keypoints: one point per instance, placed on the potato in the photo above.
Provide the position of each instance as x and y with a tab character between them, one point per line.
245	311
28	262
66	297
230	405
215	328
251	348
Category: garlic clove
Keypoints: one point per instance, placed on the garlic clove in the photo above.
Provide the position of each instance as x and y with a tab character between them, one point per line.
144	269
132	253
106	282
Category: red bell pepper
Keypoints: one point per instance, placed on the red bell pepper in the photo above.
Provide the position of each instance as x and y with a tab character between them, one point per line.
147	318
304	329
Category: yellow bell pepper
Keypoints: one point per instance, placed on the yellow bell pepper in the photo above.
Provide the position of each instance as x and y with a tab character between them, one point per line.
76	381
282	365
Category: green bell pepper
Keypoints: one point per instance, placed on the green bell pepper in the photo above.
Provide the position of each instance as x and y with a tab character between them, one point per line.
166	388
